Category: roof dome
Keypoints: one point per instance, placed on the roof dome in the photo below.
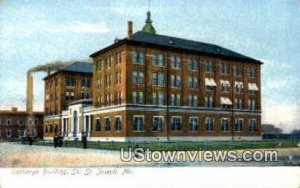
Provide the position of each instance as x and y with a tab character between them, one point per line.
148	27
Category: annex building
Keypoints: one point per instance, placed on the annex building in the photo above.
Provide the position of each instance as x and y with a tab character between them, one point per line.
154	87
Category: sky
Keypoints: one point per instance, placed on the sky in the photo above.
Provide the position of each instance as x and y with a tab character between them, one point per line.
34	32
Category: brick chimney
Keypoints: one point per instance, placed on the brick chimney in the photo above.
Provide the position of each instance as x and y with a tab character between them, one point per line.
29	99
129	30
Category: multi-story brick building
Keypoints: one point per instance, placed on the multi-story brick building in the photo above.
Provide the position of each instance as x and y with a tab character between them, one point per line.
155	87
18	124
62	87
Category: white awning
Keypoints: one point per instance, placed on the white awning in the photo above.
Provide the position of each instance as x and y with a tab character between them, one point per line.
255	87
210	82
240	84
223	100
252	87
226	101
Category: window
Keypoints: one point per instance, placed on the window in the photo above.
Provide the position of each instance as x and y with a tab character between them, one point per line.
118	124
30	121
239	125
224	124
98	124
98	65
175	62
209	122
137	97
119	77
109	61
161	98
138	123
178	100
251	72
190	64
252	125
209	102
238	103
8	133
134	77
178	62
119	60
119	97
8	121
21	120
193	82
158	98
225	85
138	77
158	123
176	123
141	78
33	133
190	82
172	100
70	81
141	97
193	124
239	87
175	81
154	98
154	59
193	100
161	60
161	79
178	81
154	79
238	70
251	104
224	68
138	57
209	66
172	61
85	95
107	124
21	132
193	64
134	97
85	82
108	80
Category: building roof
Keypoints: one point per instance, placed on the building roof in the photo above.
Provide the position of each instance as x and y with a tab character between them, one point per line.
186	44
79	66
180	44
76	67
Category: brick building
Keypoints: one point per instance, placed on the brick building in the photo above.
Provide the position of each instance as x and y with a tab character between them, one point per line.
18	124
155	87
62	87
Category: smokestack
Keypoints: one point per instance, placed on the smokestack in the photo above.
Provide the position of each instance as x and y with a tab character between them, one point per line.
29	99
129	30
49	71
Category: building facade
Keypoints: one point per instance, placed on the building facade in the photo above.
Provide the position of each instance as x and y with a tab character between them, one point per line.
160	88
17	124
64	86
